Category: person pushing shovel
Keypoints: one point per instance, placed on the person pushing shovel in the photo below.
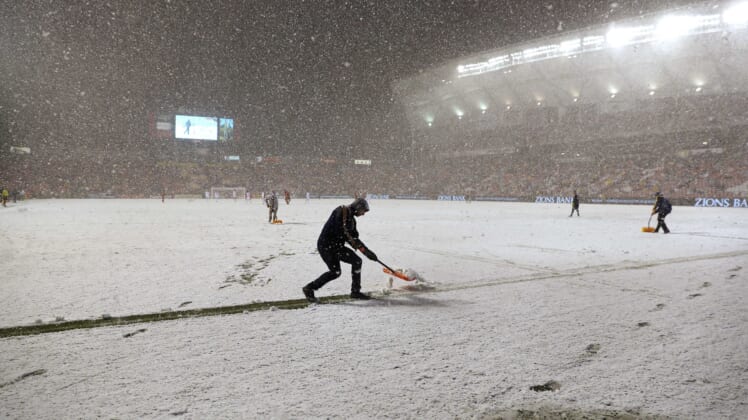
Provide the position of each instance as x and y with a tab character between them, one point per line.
340	229
662	207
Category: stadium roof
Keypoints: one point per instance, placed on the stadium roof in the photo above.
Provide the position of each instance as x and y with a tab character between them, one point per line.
699	49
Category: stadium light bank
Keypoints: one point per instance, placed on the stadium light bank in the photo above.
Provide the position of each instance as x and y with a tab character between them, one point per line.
659	28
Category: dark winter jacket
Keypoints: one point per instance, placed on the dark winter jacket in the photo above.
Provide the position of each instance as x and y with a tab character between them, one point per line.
339	229
662	206
575	202
272	202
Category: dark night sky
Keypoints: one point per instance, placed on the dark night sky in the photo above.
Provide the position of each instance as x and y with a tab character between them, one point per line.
294	71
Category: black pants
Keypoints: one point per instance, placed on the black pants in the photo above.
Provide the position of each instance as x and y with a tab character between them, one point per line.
661	223
333	257
572	211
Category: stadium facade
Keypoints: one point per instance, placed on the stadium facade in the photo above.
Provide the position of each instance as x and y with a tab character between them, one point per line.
659	102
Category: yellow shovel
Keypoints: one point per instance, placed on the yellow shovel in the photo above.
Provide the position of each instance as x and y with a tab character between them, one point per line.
648	228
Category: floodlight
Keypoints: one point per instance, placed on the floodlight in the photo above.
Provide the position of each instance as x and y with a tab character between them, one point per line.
674	26
593	42
570	45
618	37
539	53
736	14
652	29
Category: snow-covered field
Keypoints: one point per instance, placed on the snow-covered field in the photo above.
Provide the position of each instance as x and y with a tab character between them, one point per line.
617	322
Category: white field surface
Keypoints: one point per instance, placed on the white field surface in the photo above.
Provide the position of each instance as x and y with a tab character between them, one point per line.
513	295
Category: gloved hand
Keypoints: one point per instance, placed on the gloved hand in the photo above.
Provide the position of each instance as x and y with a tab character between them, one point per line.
356	244
369	253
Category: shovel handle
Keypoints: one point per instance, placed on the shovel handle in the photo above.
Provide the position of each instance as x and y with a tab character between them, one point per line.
386	266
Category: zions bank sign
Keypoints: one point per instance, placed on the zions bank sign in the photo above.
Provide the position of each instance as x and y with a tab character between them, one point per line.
721	202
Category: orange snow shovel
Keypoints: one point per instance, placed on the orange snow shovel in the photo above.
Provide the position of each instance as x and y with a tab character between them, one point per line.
399	274
648	229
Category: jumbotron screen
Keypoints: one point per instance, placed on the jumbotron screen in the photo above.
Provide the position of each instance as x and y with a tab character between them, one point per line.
192	127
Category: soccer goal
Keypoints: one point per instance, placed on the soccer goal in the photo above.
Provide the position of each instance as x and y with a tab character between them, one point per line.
228	192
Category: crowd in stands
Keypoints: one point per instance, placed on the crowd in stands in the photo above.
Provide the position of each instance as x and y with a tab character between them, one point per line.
690	147
624	168
691	153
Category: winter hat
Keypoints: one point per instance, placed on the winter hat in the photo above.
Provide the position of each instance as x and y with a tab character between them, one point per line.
359	204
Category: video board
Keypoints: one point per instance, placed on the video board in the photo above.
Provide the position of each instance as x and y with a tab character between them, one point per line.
193	127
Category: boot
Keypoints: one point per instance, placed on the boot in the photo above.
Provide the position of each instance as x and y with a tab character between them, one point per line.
359	295
309	294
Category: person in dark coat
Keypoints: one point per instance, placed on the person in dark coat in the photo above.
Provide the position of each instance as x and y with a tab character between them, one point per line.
272	203
574	204
662	207
339	230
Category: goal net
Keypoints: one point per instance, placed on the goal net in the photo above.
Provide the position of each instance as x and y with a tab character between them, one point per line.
228	192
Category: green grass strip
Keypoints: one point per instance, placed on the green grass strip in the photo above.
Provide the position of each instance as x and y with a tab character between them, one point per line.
161	316
301	303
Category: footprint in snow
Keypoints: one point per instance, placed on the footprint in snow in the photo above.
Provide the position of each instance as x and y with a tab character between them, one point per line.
593	348
548	386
